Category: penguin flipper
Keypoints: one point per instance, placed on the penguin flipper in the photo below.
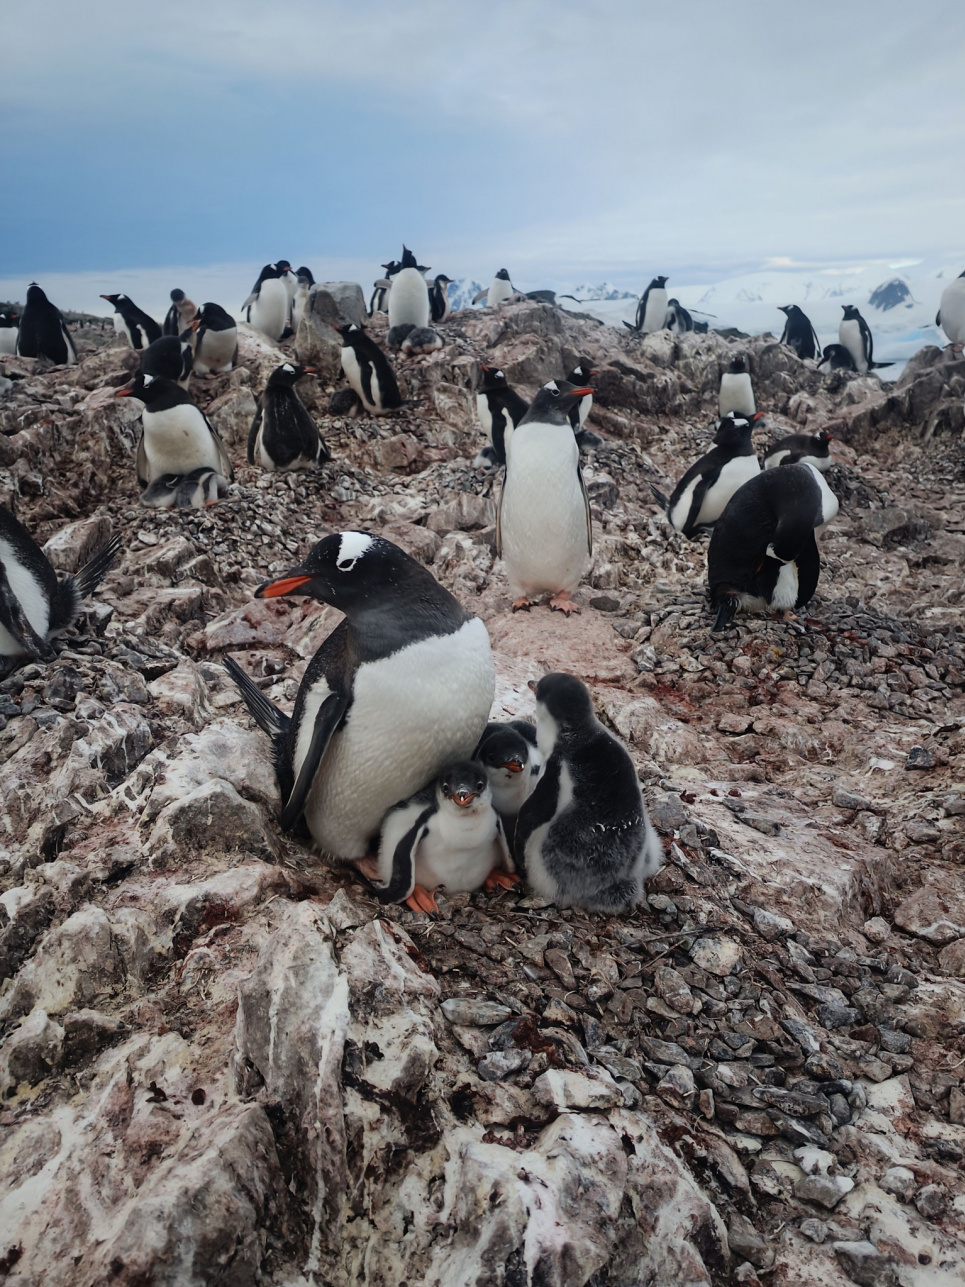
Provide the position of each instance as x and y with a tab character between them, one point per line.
483	294
265	713
725	612
402	881
631	326
659	497
538	809
14	620
499	515
327	720
253	432
938	318
586	509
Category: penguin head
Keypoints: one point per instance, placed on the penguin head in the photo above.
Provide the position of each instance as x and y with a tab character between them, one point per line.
786	309
493	378
503	275
349	332
304	275
851	314
147	388
283	267
583	372
116	300
463	784
350	570
35	295
822	439
737	364
736	431
177	296
442	279
408	259
288	374
562	701
659	282
393	266
554	401
504	751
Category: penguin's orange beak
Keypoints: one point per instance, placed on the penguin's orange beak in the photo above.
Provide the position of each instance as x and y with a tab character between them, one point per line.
594	373
284	585
463	798
124	393
310	370
194	323
582	392
514	766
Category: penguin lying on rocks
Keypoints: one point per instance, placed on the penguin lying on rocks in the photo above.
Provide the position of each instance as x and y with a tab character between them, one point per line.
421	339
200	488
802	448
837	358
283	435
368	371
447	834
583	838
399	689
36	604
512	762
500	409
698	499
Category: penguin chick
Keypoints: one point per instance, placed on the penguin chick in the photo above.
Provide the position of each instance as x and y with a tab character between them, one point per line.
180	315
736	395
9	325
36	605
302	300
43	331
176	435
763	554
283	435
170	357
216	340
678	321
509	756
409	296
368	371
500	409
421	339
137	327
400	688
652	308
837	358
699	497
447	834
583	838
798	332
200	488
543	527
951	312
268	306
439	299
802	449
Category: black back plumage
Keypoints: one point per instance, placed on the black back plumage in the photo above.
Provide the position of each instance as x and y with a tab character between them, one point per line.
172	318
801	445
733	438
170	357
506	408
141	327
371	358
286	430
837	358
43	331
798	332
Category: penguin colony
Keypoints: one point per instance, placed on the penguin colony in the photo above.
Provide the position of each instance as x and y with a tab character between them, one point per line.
388	760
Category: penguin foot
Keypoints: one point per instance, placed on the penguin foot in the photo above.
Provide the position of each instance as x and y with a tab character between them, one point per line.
499	879
563	603
422	900
523	602
368	867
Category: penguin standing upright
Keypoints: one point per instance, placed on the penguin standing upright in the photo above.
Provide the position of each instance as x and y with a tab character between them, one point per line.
543	522
9	325
583	838
678	321
798	332
302	299
180	315
763	553
137	327
699	498
216	340
267	307
380	295
447	834
802	449
401	688
736	395
951	312
368	371
283	435
499	290
652	308
509	755
439	298
500	409
176	435
36	605
170	357
855	334
43	331
409	296
582	374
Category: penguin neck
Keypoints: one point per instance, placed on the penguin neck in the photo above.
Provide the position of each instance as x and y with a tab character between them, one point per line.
390	624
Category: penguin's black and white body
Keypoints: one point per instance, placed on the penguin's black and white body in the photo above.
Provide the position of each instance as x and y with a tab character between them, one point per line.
652	309
802	449
837	358
268	306
409	296
283	435
699	498
9	325
678	321
421	340
137	327
500	409
303	291
581	374
512	762
583	838
951	312
368	371
170	357
180	315
798	332
380	295
854	333
401	688
543	522
176	436
439	298
36	604
498	291
763	554
200	488
736	395
447	834
216	340
43	331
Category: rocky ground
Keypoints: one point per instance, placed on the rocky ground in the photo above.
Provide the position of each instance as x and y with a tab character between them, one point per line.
222	1064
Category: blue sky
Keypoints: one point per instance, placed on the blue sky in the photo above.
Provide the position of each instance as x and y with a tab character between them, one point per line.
567	141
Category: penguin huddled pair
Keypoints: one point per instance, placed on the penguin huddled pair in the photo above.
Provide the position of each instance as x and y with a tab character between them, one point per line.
500	409
42	332
208	345
283	435
854	335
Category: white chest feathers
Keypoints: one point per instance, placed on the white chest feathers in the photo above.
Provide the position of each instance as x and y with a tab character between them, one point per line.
269	312
655	313
30	596
849	334
457	848
736	394
177	441
409	299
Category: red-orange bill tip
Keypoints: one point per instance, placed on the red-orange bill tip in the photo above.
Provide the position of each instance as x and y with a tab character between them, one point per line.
582	392
285	585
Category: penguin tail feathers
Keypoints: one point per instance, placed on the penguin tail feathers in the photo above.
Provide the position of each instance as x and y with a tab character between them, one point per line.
725	612
878	365
631	326
659	497
265	713
75	589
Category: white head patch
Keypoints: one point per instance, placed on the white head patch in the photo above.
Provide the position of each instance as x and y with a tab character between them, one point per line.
551	384
351	548
288	367
499	375
149	379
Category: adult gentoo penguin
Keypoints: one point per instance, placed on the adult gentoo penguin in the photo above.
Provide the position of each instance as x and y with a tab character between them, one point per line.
439	298
9	323
802	448
200	488
399	689
267	307
180	315
302	295
855	334
736	395
380	295
447	834
137	327
283	435
763	553
543	523
509	755
699	498
582	374
216	342
409	296
798	332
500	409
176	436
43	331
36	605
583	838
368	371
652	309
171	357
951	312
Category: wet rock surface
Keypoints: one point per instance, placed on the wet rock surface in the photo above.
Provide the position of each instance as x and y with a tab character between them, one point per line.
222	1063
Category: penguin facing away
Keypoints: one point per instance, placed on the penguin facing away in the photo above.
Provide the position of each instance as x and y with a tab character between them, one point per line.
300	303
409	296
583	838
380	295
802	448
267	307
652	308
283	435
543	530
439	298
180	315
736	395
500	409
9	325
368	371
176	435
35	604
699	498
43	331
951	312
798	332
137	327
854	334
171	357
197	490
216	340
508	754
447	834
401	688
763	554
